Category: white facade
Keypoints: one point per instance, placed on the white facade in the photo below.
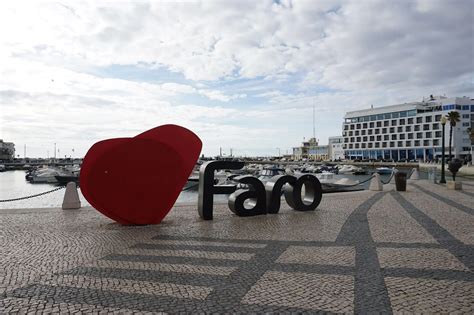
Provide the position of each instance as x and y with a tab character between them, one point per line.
410	131
336	150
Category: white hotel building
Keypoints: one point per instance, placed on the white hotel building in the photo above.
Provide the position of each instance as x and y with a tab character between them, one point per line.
410	131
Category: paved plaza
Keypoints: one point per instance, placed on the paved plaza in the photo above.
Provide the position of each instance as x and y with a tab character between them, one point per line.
358	252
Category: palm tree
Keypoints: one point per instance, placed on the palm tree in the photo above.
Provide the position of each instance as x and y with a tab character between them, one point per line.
453	117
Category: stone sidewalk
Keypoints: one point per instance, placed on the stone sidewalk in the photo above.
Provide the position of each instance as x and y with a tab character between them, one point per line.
385	252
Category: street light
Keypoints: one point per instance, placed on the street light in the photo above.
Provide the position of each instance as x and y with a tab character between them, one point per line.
443	123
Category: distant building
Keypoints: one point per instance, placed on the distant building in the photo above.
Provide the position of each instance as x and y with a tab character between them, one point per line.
336	150
410	131
7	150
311	150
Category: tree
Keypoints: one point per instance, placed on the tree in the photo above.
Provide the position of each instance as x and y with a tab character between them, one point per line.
453	118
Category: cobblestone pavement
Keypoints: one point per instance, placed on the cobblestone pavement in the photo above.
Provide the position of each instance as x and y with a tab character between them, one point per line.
361	252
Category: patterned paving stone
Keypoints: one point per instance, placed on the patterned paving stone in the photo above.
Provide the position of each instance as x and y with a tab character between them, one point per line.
364	252
331	255
205	243
130	286
188	253
183	268
308	291
383	230
411	295
418	258
456	222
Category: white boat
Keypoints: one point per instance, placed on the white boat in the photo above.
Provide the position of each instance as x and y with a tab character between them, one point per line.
383	170
349	169
48	175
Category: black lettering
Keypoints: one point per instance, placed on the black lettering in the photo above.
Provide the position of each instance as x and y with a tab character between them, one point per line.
207	189
312	197
273	190
255	197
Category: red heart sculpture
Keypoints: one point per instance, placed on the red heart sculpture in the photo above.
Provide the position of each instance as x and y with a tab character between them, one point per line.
137	180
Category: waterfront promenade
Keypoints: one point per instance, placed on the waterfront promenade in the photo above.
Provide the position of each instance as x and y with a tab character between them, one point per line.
385	252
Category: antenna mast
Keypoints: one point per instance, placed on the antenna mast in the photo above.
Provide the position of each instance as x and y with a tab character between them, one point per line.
314	132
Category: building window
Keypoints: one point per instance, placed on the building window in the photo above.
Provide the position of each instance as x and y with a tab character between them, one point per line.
395	115
363	132
417	143
437	117
373	117
438	134
384	144
435	141
370	131
392	144
408	128
379	124
356	133
394	137
356	146
371	125
379	138
358	139
403	114
419	120
364	139
400	144
428	134
465	115
350	146
426	127
352	127
401	136
352	139
426	143
410	121
428	119
386	123
370	145
351	133
386	137
419	135
358	126
400	129
362	145
377	144
417	128
377	131
435	126
380	117
402	121
364	125
387	116
384	130
410	136
408	143
392	130
371	138
393	122
465	124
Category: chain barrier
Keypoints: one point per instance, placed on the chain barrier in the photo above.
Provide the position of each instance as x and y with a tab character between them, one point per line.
32	196
390	178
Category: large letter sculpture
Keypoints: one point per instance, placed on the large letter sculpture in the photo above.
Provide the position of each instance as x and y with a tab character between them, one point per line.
258	198
137	180
207	189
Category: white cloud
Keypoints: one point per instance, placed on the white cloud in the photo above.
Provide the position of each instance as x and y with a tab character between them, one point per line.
349	54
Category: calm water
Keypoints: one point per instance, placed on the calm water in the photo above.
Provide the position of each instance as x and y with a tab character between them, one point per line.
14	185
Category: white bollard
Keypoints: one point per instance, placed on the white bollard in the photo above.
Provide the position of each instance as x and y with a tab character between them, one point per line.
71	197
415	174
394	171
375	183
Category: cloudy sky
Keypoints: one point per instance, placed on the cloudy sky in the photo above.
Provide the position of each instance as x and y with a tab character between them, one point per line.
240	74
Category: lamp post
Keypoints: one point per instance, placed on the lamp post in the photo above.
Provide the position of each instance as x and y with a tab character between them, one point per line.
443	123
